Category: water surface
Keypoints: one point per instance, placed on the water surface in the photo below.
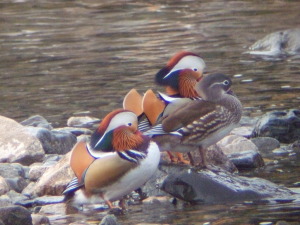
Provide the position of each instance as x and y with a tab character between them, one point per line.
60	58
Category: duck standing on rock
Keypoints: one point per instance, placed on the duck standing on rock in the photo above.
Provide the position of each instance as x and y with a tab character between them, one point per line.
179	78
117	161
186	124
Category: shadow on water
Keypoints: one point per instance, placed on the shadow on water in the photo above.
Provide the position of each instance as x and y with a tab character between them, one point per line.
60	58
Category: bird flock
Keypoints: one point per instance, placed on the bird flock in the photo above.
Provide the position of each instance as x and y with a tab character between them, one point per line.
123	153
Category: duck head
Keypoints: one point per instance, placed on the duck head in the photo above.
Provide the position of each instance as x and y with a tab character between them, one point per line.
181	73
118	131
214	87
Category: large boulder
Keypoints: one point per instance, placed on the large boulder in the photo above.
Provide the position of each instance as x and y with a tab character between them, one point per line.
17	145
221	187
281	125
55	179
53	142
15	215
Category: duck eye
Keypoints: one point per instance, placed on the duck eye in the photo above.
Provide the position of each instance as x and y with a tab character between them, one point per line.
226	82
195	69
129	124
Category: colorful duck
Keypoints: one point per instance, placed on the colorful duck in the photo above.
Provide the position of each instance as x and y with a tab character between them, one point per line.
117	160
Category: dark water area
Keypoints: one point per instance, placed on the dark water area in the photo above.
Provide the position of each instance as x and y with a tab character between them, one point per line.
63	58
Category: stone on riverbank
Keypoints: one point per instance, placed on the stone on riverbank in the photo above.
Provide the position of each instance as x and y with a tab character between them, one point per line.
17	145
53	142
281	125
55	179
15	215
241	151
209	187
37	121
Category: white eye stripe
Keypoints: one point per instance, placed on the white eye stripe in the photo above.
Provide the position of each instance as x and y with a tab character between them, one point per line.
188	62
123	118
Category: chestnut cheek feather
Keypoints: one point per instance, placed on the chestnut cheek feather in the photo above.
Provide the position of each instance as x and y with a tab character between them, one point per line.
124	138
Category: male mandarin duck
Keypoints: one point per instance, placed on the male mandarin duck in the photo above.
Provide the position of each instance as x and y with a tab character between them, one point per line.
179	76
118	160
187	124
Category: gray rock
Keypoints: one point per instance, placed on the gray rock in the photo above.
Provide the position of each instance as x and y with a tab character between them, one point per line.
281	125
245	131
16	145
280	43
16	197
83	121
55	179
266	145
40	219
12	170
5	201
17	184
109	220
209	187
54	142
241	151
4	187
15	215
77	131
37	121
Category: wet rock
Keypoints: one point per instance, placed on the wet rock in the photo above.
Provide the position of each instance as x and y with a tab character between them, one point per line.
11	170
38	169
281	125
14	175
83	121
109	220
243	131
5	201
16	197
17	184
241	151
77	131
54	142
280	43
55	179
209	187
15	215
266	145
17	145
215	157
53	209
37	121
40	219
4	188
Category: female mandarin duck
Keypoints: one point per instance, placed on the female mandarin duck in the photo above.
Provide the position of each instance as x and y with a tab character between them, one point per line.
117	161
179	77
186	124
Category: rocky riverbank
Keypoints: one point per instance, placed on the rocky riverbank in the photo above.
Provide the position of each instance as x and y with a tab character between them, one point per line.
34	168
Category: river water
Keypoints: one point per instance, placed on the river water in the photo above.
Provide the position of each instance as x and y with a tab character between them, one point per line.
62	58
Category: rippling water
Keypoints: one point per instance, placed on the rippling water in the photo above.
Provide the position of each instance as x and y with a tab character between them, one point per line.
60	58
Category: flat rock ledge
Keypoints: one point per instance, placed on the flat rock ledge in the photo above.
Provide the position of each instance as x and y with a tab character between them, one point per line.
218	187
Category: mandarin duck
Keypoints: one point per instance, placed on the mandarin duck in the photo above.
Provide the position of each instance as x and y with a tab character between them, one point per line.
118	160
188	124
179	77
